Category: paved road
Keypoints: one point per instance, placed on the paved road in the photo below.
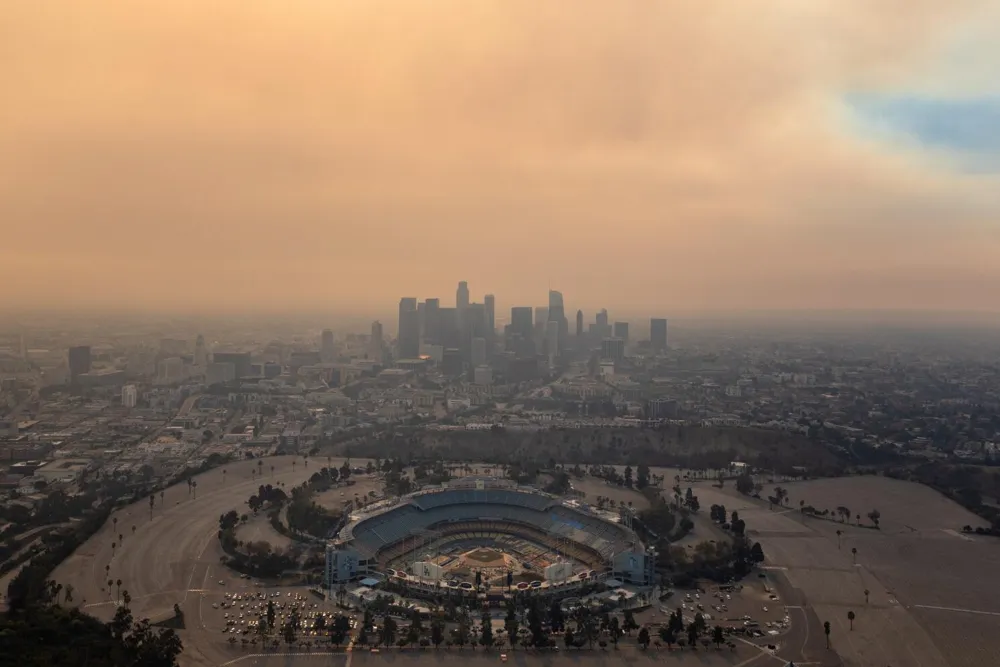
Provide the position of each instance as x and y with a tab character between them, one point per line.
174	556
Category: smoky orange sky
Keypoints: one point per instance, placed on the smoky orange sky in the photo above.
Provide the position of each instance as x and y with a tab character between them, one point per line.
650	155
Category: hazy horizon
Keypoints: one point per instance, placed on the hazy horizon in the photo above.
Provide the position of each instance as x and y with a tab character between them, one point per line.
651	158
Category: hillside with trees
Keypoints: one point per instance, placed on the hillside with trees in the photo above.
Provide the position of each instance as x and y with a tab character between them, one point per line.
694	447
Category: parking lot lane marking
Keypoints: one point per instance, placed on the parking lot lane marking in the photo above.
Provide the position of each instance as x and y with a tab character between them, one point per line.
957	609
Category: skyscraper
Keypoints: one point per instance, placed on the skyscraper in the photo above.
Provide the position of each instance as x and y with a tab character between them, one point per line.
478	351
130	395
658	333
200	352
432	321
621	330
491	316
462	296
521	321
326	349
79	362
375	343
408	339
602	328
579	324
552	342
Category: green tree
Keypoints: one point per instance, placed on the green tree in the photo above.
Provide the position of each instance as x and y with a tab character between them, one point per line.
510	624
437	631
668	637
388	630
486	639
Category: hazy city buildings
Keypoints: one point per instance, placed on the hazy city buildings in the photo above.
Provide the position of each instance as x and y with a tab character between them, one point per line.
327	351
200	352
170	370
658	334
79	362
376	343
130	395
613	348
621	331
408	340
240	361
579	324
478	352
462	296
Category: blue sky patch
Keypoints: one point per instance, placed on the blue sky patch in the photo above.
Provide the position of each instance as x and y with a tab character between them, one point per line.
968	128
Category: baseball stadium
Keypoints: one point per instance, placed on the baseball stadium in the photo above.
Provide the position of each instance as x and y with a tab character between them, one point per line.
486	536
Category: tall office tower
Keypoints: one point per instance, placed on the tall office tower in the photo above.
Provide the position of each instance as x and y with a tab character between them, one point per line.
579	324
130	395
408	340
602	323
490	302
541	319
79	362
473	325
621	330
521	322
613	348
450	333
658	333
462	296
432	321
375	343
200	352
327	352
552	342
478	352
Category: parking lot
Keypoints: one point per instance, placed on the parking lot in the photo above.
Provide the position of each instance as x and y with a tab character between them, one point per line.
752	607
238	611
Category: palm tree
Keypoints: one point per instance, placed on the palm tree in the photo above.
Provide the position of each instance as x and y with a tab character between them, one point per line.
68	591
114	521
133	529
107	569
826	631
854	554
110	584
850	617
866	595
126	598
194	488
112	549
119	586
839	533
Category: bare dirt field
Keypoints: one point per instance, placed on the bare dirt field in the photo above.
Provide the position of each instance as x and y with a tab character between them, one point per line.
932	592
594	487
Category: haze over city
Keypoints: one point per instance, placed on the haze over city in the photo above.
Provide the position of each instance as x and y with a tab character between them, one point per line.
648	157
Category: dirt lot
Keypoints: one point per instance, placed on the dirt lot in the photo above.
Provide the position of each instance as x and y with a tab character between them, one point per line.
923	606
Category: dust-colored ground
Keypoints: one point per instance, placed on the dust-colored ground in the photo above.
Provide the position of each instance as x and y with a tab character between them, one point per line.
931	591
